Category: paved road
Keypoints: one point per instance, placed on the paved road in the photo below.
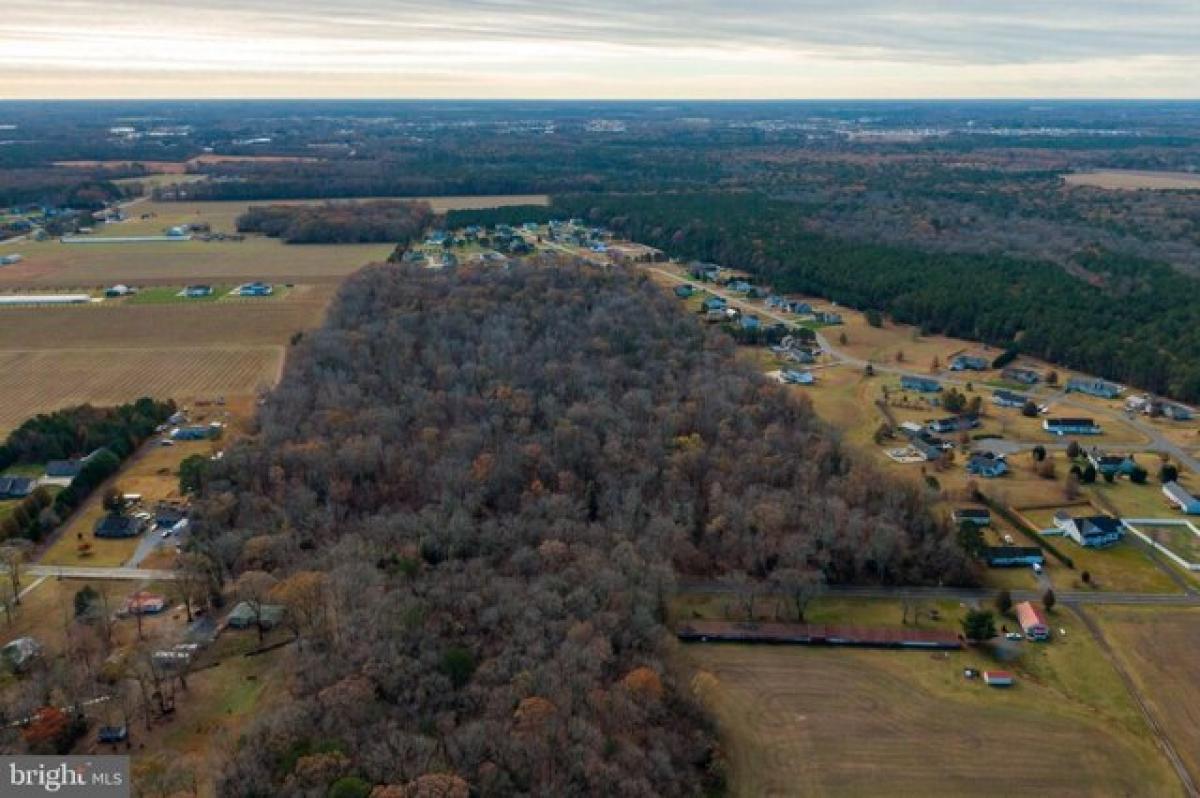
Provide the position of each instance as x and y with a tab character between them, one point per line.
1070	597
99	572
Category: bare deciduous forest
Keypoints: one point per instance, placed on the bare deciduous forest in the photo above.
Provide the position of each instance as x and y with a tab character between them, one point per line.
495	477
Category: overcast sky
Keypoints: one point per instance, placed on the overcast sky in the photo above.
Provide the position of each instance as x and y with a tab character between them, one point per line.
606	48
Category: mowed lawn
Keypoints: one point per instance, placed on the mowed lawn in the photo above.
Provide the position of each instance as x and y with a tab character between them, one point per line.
808	721
1160	649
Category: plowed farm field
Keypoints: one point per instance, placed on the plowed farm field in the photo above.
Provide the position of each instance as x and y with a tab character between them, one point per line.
53	357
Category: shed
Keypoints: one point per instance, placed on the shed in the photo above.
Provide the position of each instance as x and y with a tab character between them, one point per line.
998	678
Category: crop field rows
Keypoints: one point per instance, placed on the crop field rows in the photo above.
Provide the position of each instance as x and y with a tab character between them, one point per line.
34	382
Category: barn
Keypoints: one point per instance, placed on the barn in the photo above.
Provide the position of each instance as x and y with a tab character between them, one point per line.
1033	623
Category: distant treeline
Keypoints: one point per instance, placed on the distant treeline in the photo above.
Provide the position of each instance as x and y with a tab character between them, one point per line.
495	475
57	187
1118	316
110	434
391	221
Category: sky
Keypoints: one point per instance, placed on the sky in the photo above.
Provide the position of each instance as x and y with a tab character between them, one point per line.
493	49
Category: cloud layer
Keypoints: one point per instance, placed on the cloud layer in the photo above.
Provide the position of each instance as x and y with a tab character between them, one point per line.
618	48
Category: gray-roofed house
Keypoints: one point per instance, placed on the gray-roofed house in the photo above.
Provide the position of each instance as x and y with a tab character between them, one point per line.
1094	387
1005	398
1093	531
968	363
16	487
1021	375
243	616
119	526
987	464
1013	556
919	384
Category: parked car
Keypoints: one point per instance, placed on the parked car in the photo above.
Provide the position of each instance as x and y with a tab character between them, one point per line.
1013	636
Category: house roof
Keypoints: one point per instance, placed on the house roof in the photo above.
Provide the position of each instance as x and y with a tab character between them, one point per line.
972	512
1178	493
64	468
1000	552
117	526
1029	615
16	486
1071	422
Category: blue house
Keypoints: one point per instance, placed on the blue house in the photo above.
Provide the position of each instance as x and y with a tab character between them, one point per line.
920	384
740	287
1005	398
197	291
968	363
255	289
714	303
1021	375
792	377
684	291
827	317
750	322
987	465
1114	464
16	487
1094	387
1071	426
800	308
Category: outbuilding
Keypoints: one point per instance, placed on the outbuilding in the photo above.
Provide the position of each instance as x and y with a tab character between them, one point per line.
1033	623
998	679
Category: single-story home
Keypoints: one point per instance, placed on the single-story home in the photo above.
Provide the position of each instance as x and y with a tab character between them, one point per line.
953	423
1013	556
1177	495
792	377
685	291
800	308
197	291
1033	623
1113	464
243	616
118	526
143	603
749	322
987	464
968	363
1071	426
197	432
1005	398
21	653
1021	375
827	317
920	384
255	289
16	487
1093	532
714	303
1176	412
1094	387
979	516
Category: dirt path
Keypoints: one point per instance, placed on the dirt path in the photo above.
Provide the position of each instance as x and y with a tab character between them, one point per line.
1160	737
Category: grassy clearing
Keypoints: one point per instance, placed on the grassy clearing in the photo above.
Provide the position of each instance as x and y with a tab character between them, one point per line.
171	295
839	722
1160	649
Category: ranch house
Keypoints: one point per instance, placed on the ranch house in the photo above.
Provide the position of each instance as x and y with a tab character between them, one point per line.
1092	532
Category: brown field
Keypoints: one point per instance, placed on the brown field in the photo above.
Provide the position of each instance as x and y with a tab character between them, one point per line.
845	722
1135	179
57	357
1160	649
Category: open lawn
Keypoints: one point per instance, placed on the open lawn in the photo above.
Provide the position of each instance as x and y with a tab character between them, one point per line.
817	721
1160	649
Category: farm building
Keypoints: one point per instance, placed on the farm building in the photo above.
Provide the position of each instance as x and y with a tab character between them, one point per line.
44	299
1177	495
815	634
243	616
972	515
1093	532
1071	426
1022	375
920	384
1005	398
1033	623
1094	387
998	678
1013	556
16	487
968	363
